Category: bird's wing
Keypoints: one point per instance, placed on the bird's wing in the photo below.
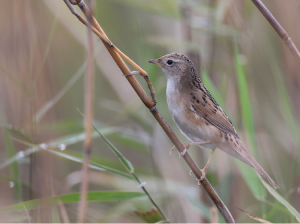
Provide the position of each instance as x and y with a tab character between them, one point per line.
204	105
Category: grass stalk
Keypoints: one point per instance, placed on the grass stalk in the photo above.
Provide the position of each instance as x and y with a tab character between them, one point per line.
89	98
151	106
278	28
149	196
127	164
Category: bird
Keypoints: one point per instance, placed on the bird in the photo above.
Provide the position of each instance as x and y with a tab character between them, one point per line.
197	114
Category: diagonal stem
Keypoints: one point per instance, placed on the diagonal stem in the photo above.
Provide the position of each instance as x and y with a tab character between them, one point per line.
149	104
278	28
150	197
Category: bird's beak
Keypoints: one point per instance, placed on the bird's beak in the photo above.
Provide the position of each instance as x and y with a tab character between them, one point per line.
154	61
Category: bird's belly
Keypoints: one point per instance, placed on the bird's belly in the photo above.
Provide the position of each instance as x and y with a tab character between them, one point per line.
191	125
196	133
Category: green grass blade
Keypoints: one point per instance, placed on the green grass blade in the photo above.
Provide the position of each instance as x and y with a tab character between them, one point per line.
244	98
248	120
75	138
287	106
129	142
11	152
93	165
19	133
110	162
13	167
59	142
127	164
279	198
75	197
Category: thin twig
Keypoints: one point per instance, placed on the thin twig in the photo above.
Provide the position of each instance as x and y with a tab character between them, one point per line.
254	217
105	39
89	98
27	214
150	197
149	104
278	28
137	179
63	212
150	86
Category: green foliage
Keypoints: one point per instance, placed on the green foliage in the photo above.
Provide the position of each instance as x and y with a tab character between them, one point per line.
92	165
10	152
61	143
280	199
41	88
124	161
248	120
75	197
285	101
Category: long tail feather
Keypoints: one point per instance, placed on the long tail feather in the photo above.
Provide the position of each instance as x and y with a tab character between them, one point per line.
245	153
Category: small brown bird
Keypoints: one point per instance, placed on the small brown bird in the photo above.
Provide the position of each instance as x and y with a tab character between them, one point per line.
198	115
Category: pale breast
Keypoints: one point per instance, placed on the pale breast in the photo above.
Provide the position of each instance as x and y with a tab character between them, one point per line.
190	124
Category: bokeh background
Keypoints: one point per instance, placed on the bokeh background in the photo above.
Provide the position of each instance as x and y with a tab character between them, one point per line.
241	59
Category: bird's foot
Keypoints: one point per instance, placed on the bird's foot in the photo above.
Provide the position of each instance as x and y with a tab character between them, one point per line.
187	146
183	152
204	170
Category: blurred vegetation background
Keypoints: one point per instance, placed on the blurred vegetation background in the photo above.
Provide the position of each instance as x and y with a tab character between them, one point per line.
243	62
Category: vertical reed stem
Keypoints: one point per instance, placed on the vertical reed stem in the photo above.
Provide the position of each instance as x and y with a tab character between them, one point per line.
88	122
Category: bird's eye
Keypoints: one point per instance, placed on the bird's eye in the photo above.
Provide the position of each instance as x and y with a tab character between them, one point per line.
169	62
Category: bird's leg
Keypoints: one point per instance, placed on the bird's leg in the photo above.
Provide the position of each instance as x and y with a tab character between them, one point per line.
204	170
146	77
187	146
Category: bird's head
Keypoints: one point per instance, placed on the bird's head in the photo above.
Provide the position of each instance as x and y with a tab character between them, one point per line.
173	65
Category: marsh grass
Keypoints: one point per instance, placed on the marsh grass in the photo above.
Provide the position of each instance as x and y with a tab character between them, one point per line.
254	80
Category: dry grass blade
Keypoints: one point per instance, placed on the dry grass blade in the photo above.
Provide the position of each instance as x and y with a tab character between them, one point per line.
63	212
254	217
150	104
89	98
45	108
105	39
278	28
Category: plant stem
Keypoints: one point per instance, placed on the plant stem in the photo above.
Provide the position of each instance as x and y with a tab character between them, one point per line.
88	123
115	53
150	197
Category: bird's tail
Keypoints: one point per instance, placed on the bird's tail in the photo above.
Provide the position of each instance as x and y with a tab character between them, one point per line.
245	153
